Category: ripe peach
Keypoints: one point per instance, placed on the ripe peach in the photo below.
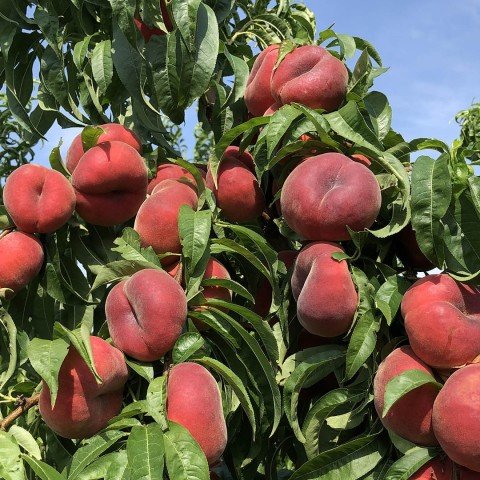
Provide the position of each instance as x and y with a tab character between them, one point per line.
411	416
157	219
21	258
112	132
238	194
148	32
456	417
170	171
146	314
409	252
110	182
84	407
258	96
326	193
194	401
440	468
38	199
442	319
311	76
215	269
318	282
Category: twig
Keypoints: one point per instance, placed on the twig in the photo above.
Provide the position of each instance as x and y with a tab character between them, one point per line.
24	404
6	232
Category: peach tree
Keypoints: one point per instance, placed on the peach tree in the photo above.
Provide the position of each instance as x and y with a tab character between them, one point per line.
256	312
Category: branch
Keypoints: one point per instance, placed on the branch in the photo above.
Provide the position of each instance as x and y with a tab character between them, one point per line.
24	404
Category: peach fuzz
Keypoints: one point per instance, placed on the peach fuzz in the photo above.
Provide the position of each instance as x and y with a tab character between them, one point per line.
258	96
84	407
38	199
311	76
318	282
194	401
21	259
157	218
238	194
411	416
326	193
442	320
111	132
110	182
146	314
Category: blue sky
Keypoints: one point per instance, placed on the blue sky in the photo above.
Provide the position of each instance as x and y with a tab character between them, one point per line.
431	46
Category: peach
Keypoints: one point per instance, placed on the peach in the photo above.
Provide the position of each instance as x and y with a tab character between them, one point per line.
411	416
38	199
440	468
157	219
215	269
84	407
194	401
258	96
409	252
442	319
238	194
112	132
311	76
170	171
263	296
146	314
318	282
325	194
358	157
110	182
148	32
456	417
21	258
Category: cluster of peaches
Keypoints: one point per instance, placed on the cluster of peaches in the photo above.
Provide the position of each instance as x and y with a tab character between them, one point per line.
441	319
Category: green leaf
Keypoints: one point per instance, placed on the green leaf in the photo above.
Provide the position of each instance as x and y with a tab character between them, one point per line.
380	113
46	357
145	451
229	285
102	65
389	296
407	381
237	386
90	136
186	346
9	325
11	466
25	439
56	162
184	458
350	461
406	466
42	470
156	401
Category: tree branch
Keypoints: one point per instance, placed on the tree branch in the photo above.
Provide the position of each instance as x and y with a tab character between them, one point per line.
24	404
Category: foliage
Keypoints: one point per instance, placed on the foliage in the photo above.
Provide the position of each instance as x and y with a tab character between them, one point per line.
95	67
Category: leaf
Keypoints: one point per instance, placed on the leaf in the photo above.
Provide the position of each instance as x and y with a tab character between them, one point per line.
186	346
42	470
280	122
145	452
144	369
156	401
9	325
401	384
380	113
406	466
237	386
56	162
102	65
88	453
25	439
130	248
183	457
231	285
389	296
350	461
46	357
90	136
431	195
11	466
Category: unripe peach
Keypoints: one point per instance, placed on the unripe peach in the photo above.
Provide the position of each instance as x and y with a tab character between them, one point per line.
157	219
318	281
194	401
442	319
21	258
325	194
84	407
112	132
311	76
456	417
258	96
110	182
146	314
38	199
411	416
238	194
